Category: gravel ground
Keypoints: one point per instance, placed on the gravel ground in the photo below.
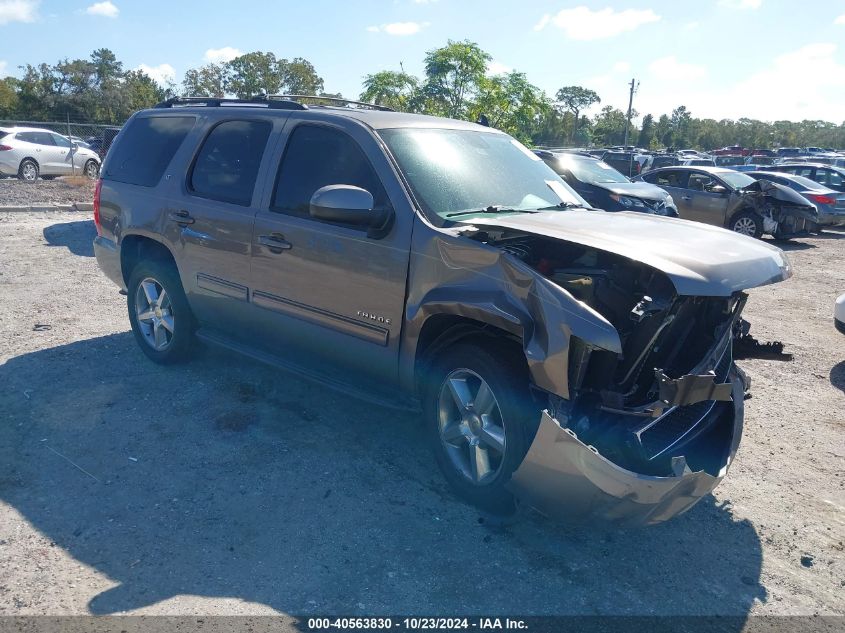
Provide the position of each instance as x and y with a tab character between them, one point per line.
225	487
14	192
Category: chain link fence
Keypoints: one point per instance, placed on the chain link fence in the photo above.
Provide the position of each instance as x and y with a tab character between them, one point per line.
94	136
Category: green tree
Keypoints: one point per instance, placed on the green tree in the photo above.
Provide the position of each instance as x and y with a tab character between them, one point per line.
452	77
390	88
107	69
609	126
254	73
205	81
646	136
8	97
575	99
511	104
299	77
681	127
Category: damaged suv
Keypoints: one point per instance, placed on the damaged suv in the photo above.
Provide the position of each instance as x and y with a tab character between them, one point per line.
573	359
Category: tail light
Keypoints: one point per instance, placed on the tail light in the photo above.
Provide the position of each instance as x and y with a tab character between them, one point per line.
821	198
5	148
97	189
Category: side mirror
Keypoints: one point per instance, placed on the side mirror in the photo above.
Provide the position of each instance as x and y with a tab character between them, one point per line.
351	205
718	189
74	146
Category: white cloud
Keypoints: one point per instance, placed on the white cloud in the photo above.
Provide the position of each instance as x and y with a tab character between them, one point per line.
584	24
105	9
543	22
219	55
497	68
741	4
759	95
18	11
399	28
621	67
840	19
670	69
162	74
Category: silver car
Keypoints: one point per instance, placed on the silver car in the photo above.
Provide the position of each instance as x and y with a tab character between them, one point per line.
28	153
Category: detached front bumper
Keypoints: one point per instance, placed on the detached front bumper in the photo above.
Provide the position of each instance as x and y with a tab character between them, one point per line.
564	478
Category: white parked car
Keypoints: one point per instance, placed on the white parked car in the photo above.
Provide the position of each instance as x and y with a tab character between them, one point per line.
839	313
28	153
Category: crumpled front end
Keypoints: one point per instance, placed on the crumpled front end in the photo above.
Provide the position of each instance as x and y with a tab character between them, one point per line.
567	479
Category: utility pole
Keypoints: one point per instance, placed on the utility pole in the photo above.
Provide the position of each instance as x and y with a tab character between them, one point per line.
634	86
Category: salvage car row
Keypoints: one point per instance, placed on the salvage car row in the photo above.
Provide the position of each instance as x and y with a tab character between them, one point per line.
756	203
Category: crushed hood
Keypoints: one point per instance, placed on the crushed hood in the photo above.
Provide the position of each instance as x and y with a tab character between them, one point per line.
700	260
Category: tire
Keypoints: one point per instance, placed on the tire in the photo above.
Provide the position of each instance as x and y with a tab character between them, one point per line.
28	170
478	452
91	170
747	223
163	326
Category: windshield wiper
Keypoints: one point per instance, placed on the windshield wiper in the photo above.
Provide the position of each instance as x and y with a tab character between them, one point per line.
493	208
564	205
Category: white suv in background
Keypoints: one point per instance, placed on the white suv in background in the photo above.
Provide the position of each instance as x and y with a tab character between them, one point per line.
32	152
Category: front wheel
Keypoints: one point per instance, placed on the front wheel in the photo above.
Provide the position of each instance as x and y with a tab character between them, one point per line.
747	223
480	419
159	313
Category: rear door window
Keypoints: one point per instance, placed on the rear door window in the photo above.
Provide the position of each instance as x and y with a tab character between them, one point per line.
671	178
226	167
146	148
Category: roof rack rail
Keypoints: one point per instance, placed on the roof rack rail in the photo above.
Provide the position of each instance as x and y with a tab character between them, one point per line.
213	102
333	100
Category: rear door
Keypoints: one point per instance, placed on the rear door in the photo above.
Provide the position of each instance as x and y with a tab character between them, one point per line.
212	219
48	156
673	181
329	296
63	155
830	178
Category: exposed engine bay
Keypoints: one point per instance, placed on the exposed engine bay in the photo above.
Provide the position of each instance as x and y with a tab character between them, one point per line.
648	408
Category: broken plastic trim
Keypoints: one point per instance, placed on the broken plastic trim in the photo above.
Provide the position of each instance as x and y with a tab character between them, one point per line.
689	389
564	478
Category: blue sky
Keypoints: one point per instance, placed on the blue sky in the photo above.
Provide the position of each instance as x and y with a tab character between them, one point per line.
767	59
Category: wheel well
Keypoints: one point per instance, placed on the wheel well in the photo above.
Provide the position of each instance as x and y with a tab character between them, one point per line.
443	330
136	248
740	211
28	158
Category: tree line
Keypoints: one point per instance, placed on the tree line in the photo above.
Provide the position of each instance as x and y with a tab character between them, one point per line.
455	83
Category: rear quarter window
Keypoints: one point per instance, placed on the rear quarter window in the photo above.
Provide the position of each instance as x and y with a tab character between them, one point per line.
145	149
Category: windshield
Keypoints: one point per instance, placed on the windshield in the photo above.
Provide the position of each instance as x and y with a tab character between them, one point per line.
589	170
451	171
736	179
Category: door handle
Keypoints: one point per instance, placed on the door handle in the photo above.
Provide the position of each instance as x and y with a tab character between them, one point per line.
686	198
276	242
181	217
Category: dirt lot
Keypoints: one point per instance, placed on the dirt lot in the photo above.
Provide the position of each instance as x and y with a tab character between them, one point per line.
14	192
227	487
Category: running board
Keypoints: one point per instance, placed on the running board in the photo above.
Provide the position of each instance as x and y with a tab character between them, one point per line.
382	399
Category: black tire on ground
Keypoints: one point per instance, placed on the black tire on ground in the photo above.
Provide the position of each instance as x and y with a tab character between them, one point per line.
747	223
28	170
91	170
503	368
180	342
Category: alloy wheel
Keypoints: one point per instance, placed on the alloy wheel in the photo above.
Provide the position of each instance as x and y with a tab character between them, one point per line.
29	172
745	226
91	169
154	313
471	426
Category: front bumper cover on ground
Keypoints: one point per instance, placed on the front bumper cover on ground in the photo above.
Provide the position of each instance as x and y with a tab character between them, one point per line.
564	478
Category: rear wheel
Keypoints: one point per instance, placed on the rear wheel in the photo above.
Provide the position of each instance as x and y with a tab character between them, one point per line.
480	419
91	170
159	313
747	223
28	170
